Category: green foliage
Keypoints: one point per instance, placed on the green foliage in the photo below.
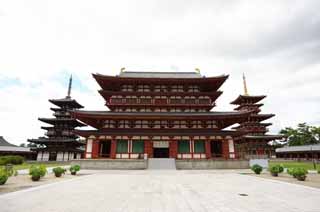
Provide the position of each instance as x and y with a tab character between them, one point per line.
290	171
3	176
74	169
275	169
318	170
11	159
302	135
37	171
58	171
299	173
256	168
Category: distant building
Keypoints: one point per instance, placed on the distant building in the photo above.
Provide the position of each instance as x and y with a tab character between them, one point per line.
305	152
60	143
7	148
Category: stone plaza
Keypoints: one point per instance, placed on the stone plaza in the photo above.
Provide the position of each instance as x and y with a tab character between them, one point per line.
164	190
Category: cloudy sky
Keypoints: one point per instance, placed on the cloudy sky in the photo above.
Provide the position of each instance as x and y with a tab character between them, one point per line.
275	43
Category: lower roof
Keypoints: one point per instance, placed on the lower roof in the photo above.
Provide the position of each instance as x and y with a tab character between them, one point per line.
304	148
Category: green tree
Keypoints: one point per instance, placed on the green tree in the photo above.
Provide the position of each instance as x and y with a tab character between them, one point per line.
302	135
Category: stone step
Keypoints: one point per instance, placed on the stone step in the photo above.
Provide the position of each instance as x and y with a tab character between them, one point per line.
162	163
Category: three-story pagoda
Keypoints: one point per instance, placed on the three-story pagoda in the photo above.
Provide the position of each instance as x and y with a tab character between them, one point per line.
60	142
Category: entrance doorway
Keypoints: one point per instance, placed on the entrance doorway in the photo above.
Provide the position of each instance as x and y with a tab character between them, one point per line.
105	149
216	148
161	152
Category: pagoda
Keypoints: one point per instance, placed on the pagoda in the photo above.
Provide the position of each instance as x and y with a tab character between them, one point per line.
255	142
60	142
160	115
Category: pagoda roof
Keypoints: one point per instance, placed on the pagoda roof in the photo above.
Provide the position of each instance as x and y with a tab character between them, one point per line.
263	137
72	103
138	74
44	140
251	124
261	117
96	118
53	121
159	132
114	82
244	99
243	105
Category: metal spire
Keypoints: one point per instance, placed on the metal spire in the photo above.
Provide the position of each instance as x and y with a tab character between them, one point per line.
70	86
245	86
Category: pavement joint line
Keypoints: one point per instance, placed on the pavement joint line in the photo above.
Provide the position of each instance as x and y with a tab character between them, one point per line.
34	188
288	183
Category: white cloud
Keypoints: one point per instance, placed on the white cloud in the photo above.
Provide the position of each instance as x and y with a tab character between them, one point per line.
276	43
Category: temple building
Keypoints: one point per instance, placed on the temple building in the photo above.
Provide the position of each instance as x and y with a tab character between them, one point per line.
167	115
255	142
60	142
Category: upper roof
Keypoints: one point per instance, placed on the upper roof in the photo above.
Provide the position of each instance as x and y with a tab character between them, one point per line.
149	74
243	99
3	142
71	103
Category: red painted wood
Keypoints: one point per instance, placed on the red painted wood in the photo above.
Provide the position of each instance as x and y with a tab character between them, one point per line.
225	149
95	148
148	148
173	149
113	149
208	149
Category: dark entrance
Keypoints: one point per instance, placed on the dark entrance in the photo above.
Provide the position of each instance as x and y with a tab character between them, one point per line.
105	148
161	152
216	148
52	156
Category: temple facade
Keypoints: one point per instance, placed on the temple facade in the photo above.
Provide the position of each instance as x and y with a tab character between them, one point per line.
161	115
60	143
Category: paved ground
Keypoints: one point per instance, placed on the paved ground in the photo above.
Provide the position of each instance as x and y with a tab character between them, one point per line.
164	191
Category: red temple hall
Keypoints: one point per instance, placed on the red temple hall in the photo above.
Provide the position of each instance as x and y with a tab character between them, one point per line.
169	115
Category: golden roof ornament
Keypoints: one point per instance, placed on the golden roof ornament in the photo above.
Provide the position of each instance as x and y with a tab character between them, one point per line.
245	86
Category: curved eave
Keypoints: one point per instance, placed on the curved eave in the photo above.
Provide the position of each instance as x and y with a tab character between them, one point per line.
106	94
113	82
66	102
97	118
263	137
243	99
54	141
261	117
248	105
70	121
158	132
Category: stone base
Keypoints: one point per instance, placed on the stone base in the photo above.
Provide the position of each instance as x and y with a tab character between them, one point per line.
111	164
212	164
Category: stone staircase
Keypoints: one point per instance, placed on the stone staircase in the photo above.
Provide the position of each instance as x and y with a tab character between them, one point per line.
162	163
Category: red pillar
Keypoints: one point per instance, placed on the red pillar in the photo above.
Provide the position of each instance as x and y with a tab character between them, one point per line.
173	149
225	149
208	149
148	148
113	149
95	148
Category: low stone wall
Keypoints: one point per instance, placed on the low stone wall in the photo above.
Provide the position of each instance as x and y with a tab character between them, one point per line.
110	164
212	164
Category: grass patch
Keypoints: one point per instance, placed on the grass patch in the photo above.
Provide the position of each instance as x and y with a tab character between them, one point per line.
294	164
27	165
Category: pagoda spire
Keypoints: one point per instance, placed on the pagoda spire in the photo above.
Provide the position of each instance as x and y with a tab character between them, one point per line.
70	86
245	86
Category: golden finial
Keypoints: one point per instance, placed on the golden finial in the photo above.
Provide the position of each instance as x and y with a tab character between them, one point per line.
197	70
122	69
69	87
245	86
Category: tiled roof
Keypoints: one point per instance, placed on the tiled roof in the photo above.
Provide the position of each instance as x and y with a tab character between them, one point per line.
305	148
160	74
3	142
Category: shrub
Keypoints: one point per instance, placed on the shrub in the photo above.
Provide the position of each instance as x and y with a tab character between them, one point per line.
275	170
3	176
11	159
37	171
256	168
300	173
290	171
281	169
318	170
74	169
58	171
